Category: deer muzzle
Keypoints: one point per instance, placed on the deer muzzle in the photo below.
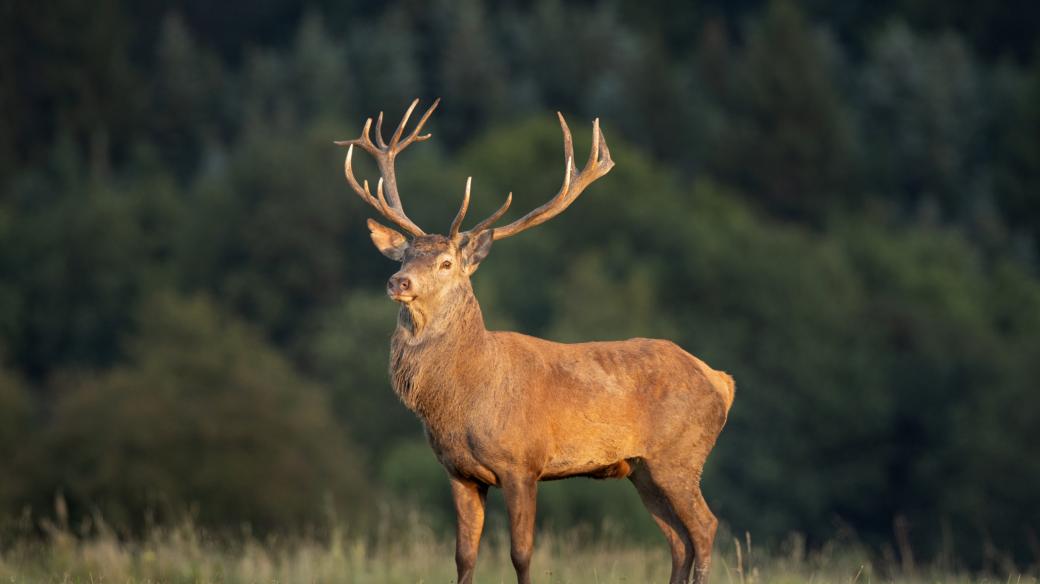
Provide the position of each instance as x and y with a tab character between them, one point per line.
400	288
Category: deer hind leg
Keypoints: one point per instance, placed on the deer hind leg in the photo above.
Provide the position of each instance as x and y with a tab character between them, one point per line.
702	531
679	490
660	507
683	491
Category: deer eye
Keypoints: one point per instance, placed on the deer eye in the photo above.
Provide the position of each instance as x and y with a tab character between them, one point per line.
446	265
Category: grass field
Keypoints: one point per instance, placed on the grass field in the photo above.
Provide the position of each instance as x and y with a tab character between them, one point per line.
187	555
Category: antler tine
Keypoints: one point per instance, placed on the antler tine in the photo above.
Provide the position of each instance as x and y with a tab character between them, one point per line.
457	222
395	214
604	151
414	136
348	170
494	216
383	206
404	122
364	140
594	151
567	174
379	131
600	154
568	143
366	136
574	182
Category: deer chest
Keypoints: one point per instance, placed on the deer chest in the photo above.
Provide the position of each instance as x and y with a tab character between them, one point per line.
455	453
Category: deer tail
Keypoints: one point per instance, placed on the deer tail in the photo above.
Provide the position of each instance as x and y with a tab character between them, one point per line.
729	388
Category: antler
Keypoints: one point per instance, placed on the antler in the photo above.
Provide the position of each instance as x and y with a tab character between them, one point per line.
574	183
389	205
457	222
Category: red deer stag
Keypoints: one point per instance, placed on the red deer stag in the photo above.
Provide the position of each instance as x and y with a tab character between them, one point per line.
508	410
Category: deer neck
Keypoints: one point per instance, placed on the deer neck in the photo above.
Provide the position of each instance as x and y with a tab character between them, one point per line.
434	355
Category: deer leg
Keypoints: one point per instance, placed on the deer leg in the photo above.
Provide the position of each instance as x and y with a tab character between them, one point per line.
679	542
703	534
470	499
521	497
683	491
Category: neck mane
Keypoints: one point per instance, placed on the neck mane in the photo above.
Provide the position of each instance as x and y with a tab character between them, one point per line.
435	354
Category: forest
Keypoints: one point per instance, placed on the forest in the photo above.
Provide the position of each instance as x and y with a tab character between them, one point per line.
837	203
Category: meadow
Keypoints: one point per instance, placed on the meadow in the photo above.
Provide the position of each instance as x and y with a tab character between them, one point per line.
419	553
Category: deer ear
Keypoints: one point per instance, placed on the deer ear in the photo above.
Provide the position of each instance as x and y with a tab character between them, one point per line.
389	242
475	249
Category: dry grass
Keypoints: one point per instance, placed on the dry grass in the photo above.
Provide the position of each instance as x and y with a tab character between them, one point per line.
186	555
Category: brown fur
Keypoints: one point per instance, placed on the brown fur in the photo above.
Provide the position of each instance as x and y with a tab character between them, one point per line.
505	409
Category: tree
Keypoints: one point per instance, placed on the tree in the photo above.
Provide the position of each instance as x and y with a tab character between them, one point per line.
386	55
321	79
994	425
349	350
74	77
1017	158
289	89
922	120
623	306
266	232
789	143
472	74
205	416
189	98
77	255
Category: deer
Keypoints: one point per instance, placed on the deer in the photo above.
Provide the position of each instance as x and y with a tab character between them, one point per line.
507	410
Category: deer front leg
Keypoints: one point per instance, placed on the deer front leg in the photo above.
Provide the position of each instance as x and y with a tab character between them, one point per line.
521	497
470	499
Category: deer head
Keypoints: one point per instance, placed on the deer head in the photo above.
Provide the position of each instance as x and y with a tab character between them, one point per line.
435	269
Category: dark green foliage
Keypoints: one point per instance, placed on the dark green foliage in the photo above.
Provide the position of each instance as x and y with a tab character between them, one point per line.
350	350
838	203
191	96
922	97
1017	153
789	140
76	257
413	476
205	414
15	422
66	72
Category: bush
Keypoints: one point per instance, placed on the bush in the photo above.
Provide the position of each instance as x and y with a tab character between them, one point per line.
204	417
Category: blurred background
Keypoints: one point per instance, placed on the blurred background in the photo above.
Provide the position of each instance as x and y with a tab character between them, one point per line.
837	202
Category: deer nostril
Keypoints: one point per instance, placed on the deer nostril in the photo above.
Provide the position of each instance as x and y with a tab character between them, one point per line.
399	283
